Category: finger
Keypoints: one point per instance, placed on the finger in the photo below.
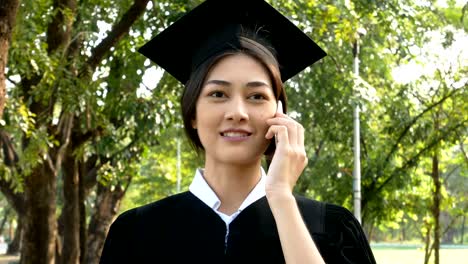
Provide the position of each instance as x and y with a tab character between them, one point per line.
300	136
281	133
293	128
283	120
278	114
292	134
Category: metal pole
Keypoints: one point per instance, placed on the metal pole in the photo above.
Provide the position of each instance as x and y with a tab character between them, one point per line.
357	147
178	165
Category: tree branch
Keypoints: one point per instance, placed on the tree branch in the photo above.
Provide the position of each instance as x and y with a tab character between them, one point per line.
91	174
462	148
450	173
10	159
51	164
58	38
407	129
15	199
11	80
66	134
464	10
452	221
426	149
59	29
118	31
371	190
418	230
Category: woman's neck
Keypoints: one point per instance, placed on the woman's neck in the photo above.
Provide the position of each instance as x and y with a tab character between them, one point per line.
231	183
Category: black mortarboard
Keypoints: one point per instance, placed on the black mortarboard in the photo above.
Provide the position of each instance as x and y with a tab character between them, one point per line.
214	26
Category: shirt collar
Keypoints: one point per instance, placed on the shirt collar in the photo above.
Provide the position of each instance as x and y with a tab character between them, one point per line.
200	188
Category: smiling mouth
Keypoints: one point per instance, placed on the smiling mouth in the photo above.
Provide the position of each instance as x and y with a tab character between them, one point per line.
235	134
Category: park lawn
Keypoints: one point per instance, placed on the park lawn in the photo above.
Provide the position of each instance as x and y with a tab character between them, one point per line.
382	256
416	256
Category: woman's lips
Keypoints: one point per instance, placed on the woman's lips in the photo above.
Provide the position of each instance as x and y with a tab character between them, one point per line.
235	135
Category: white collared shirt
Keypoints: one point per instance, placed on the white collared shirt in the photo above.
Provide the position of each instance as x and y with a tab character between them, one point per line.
203	191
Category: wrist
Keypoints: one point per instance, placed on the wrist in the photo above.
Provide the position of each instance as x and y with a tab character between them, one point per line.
280	197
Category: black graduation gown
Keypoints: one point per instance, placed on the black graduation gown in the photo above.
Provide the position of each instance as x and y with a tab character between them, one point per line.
183	229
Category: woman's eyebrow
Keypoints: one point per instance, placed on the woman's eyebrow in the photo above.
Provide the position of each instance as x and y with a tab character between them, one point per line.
257	84
252	84
218	82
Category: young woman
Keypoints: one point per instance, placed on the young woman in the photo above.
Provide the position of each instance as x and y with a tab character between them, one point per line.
232	107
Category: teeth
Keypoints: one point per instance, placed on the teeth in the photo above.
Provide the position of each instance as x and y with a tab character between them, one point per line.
235	134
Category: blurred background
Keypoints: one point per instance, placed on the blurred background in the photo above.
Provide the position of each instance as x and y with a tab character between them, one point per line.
90	128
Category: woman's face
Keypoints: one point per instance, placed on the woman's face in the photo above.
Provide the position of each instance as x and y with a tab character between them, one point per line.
231	112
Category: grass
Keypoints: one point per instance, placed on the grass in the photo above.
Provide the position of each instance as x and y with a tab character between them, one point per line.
6	259
383	255
413	255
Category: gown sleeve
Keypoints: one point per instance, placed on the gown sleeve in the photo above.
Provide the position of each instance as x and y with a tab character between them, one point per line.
347	242
118	244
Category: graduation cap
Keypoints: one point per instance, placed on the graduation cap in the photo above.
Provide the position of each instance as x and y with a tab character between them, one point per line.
215	25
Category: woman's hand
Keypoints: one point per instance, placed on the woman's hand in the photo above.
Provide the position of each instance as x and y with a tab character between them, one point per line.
289	159
287	165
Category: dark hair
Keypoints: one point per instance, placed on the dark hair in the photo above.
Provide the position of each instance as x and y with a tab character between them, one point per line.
254	48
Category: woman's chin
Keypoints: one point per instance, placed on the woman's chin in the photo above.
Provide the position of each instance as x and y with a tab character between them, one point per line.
240	158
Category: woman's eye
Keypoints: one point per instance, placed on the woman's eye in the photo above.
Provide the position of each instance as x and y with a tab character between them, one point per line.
217	94
257	97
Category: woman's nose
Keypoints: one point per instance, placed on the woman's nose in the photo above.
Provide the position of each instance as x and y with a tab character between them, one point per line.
237	110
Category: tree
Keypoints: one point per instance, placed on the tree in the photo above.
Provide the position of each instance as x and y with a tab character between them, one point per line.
8	11
52	94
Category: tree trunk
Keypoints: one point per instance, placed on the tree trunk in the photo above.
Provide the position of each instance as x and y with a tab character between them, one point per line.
40	223
72	221
15	245
403	230
70	213
40	226
462	230
370	231
436	205
60	28
82	207
107	207
427	243
8	11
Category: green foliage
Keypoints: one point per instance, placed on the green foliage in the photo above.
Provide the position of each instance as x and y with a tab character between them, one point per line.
397	127
158	175
456	16
128	131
